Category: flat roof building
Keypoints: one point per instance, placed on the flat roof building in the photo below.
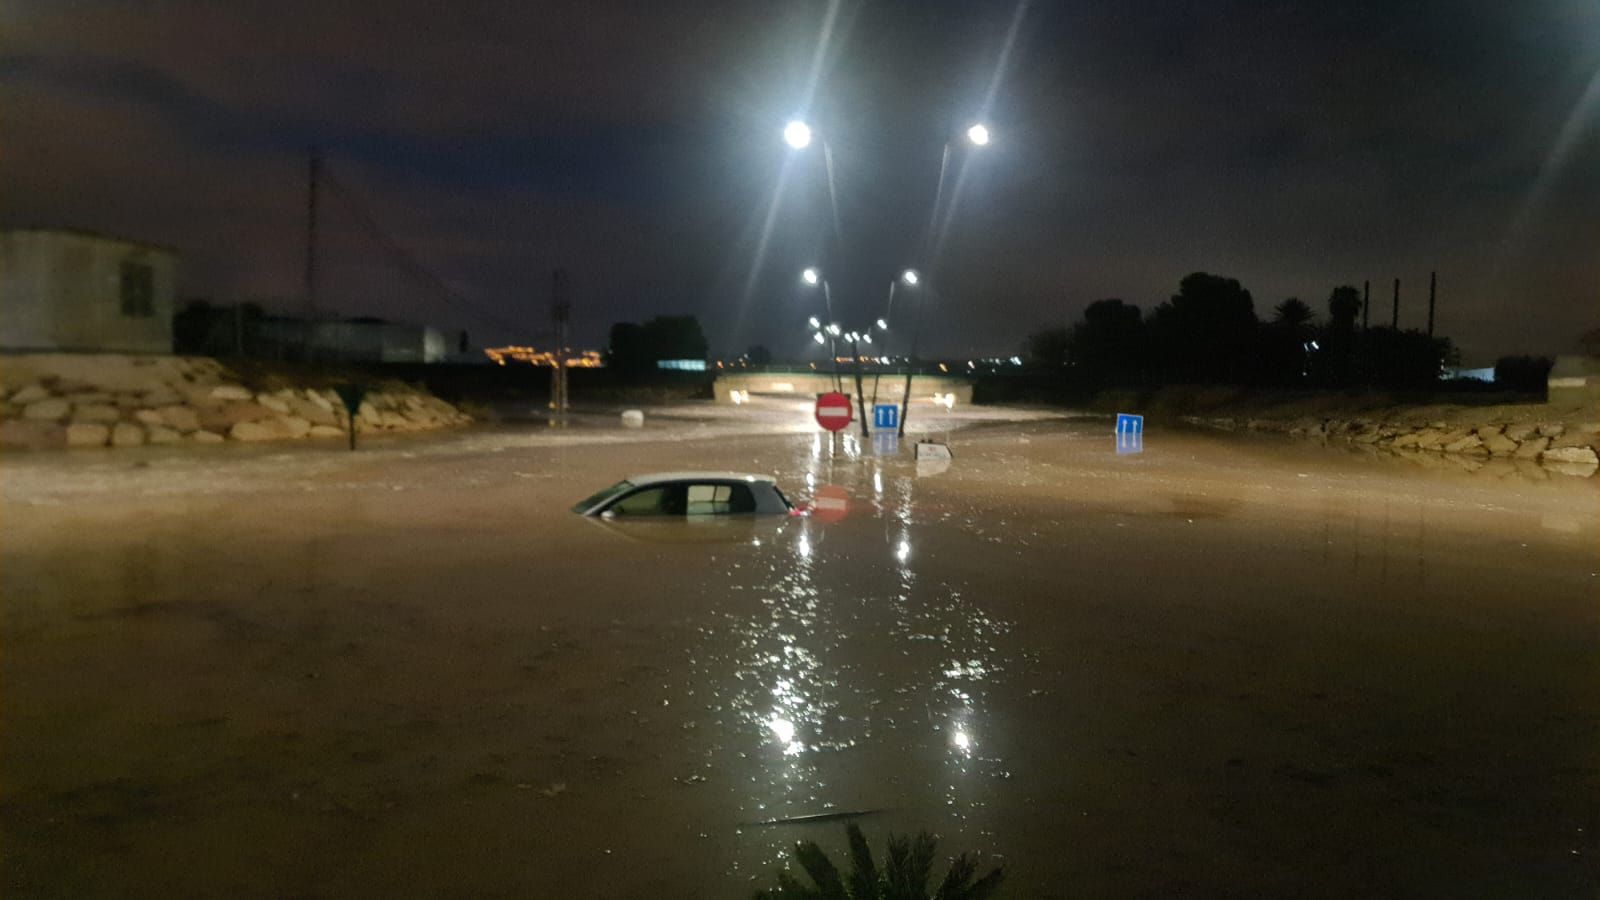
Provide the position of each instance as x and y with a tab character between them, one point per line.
62	289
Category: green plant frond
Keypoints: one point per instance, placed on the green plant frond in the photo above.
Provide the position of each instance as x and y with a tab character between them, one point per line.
821	869
790	887
908	863
954	886
864	881
986	886
896	862
907	877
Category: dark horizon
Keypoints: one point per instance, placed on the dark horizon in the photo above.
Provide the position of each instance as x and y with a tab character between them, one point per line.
1295	148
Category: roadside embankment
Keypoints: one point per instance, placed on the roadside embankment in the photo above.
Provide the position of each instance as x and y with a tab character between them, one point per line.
62	400
1561	437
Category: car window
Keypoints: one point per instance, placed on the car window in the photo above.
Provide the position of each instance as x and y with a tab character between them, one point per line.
600	497
666	500
720	499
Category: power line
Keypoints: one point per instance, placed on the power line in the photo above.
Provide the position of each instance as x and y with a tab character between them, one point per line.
408	264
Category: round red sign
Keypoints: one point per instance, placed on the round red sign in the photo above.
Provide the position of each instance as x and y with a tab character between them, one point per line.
834	411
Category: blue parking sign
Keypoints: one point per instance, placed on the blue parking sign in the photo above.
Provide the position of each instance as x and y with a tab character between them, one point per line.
1130	424
886	415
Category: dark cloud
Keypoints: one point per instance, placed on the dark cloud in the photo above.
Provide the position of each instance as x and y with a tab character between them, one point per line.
1293	145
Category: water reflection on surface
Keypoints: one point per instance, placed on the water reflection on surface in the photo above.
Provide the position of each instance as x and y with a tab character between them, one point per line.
836	657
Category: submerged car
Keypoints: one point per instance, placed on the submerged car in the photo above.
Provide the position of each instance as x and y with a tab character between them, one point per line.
686	494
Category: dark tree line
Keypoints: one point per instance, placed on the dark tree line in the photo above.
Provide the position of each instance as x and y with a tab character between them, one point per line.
637	348
1208	333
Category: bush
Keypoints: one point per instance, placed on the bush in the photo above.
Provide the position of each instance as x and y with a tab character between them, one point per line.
905	875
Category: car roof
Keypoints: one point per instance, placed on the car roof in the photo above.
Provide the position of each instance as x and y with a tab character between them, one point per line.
669	477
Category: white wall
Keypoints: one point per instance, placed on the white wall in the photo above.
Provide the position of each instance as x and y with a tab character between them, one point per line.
62	290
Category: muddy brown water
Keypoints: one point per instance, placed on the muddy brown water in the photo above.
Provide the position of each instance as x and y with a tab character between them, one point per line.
1213	668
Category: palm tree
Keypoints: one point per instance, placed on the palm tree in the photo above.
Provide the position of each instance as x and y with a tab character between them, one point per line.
905	875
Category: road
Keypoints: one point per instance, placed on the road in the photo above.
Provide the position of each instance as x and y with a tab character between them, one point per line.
1218	667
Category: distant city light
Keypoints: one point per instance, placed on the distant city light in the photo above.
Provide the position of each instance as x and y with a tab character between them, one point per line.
585	359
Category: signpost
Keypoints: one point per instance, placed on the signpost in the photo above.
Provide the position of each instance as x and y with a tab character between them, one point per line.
1130	434
886	416
352	395
834	411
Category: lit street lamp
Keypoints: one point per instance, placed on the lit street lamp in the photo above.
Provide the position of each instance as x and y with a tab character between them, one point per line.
882	325
910	277
797	134
814	323
978	134
810	277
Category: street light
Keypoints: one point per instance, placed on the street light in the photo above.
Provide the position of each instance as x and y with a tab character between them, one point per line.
882	325
978	134
814	323
818	336
797	134
810	277
911	277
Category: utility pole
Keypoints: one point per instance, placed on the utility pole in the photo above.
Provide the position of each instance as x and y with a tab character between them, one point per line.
1433	292
1366	302
1394	321
560	315
313	175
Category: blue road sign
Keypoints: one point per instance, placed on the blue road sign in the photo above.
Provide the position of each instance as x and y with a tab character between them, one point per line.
886	415
1130	442
1130	424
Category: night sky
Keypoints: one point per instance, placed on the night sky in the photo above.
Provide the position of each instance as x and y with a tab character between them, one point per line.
1293	145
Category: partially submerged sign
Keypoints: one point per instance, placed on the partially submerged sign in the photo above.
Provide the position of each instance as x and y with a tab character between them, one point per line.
932	450
351	395
1128	423
1130	442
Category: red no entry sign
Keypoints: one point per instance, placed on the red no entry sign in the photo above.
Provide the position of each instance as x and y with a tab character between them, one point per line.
834	411
830	504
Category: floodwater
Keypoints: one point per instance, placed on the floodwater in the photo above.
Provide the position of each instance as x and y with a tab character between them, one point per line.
1216	667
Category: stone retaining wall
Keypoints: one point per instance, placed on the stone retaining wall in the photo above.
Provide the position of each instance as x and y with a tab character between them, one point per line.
1570	448
50	401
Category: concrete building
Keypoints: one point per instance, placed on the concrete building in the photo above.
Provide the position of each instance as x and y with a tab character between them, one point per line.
78	291
357	340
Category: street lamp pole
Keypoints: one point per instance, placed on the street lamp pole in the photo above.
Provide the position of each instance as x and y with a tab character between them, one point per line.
911	360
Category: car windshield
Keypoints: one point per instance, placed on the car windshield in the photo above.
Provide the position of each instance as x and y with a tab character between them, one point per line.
600	497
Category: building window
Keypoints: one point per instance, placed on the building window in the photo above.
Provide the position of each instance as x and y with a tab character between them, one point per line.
138	290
